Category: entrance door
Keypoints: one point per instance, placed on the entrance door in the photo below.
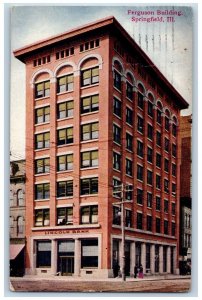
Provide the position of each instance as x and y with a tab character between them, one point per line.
67	265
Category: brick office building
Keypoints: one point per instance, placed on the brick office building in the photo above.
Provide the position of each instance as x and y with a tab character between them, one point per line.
99	113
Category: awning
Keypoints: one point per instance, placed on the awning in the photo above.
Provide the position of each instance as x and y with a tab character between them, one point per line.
15	249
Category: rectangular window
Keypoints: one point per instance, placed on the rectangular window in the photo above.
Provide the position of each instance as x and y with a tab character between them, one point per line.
65	216
89	214
149	200
139	196
140	124
129	192
149	177
139	220
166	145
42	165
65	162
158	116
89	159
165	227
129	167
149	154
158	181
149	223
116	216
42	191
166	206
158	138
65	83
158	203
89	131
128	218
140	101
174	169
173	189
166	165
117	134
42	89
117	80
158	160
42	217
166	186
42	140
129	90
90	76
117	107
173	229
174	150
116	161
65	188
65	109
139	148
116	188
158	225
43	255
89	186
89	104
42	115
150	109
65	136
149	131
129	116
129	142
174	130
89	253
173	208
139	172
166	124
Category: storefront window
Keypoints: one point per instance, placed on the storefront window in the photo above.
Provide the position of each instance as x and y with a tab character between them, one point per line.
43	254
89	253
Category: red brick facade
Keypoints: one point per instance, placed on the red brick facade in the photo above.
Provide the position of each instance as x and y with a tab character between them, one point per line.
111	59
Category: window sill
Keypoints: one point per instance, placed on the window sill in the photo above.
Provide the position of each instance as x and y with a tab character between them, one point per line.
118	90
89	141
65	171
89	86
116	170
130	176
89	168
66	118
117	116
42	149
43	123
131	100
131	126
41	174
117	144
90	113
65	145
40	200
63	198
42	98
89	195
66	92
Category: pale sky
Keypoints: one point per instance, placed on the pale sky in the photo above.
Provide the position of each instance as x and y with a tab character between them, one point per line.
170	49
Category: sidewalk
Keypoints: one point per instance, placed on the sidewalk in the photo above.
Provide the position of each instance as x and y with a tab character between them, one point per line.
75	279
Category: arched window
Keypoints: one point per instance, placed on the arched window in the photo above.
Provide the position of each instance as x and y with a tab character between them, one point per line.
20	198
11	198
20	225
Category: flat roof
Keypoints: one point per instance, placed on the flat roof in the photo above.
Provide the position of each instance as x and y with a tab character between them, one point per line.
23	52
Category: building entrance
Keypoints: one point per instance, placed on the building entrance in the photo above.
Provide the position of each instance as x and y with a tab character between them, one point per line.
67	265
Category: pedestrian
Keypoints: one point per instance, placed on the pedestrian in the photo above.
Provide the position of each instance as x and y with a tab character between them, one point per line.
135	271
140	274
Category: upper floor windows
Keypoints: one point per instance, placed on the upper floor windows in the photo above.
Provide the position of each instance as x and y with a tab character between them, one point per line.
116	161
174	129
65	136
150	109
89	214
65	83
65	162
65	188
42	140
42	89
65	216
89	186
64	53
42	60
89	76
42	115
20	198
117	107
140	124
140	100
129	116
117	80
42	165
129	90
89	131
89	159
89	45
117	134
65	109
167	125
158	116
42	191
90	104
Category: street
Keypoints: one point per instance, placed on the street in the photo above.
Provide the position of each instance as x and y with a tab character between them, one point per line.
114	285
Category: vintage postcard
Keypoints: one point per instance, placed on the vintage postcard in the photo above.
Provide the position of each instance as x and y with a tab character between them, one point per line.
100	145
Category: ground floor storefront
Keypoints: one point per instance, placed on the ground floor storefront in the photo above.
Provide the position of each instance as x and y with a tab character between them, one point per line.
81	255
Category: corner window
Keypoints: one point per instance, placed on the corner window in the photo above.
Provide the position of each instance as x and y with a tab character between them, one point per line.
89	214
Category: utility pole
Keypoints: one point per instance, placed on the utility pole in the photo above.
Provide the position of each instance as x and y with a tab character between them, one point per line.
120	190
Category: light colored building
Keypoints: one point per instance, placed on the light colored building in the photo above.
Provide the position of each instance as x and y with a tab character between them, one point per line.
99	114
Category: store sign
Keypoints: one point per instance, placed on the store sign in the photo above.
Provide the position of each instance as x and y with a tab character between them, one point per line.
65	231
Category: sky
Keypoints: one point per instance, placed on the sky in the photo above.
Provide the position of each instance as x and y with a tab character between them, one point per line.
169	46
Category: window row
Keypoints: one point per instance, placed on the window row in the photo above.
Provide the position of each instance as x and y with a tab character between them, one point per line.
140	221
65	83
88	186
88	215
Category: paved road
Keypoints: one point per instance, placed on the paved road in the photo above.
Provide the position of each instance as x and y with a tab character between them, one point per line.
48	285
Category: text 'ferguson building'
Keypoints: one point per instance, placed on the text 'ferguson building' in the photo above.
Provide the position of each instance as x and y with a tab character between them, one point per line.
99	114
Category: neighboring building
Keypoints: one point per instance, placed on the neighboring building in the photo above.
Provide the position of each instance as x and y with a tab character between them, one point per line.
17	217
185	192
99	113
